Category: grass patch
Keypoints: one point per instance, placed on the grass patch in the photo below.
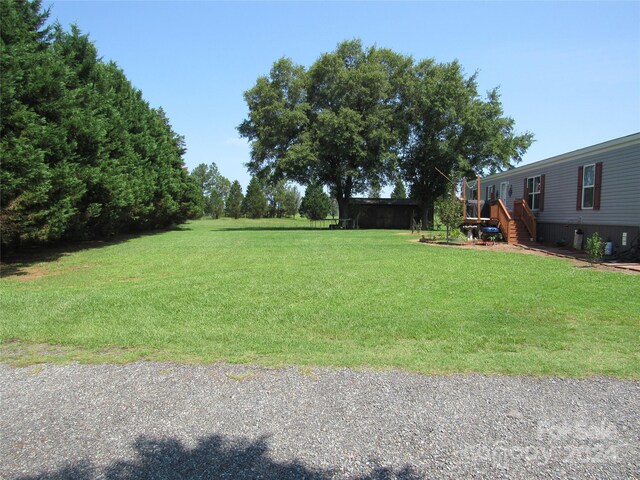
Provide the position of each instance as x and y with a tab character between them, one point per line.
277	292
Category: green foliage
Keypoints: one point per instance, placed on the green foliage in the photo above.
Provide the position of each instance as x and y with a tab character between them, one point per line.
291	202
450	127
83	155
214	188
358	115
595	247
283	199
334	124
449	210
375	191
399	190
254	204
234	200
315	204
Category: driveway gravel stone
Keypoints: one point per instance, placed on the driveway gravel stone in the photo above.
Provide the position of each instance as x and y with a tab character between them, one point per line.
170	421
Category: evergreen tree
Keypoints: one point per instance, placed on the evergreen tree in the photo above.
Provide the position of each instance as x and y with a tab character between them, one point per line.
234	201
291	202
254	204
83	155
214	188
399	190
219	195
375	191
315	204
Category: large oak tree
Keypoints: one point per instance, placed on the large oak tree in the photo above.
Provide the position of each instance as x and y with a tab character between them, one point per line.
454	131
336	123
358	117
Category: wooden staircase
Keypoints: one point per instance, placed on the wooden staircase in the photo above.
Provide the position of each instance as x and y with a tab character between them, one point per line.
519	234
517	229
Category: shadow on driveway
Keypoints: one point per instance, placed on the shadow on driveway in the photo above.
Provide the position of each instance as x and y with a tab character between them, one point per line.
214	457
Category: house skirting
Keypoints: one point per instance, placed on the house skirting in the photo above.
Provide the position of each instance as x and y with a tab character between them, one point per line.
553	233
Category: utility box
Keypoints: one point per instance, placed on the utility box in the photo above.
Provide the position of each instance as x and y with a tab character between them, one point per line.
577	239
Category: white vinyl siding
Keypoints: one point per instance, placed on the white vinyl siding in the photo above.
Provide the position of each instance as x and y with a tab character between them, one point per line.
619	194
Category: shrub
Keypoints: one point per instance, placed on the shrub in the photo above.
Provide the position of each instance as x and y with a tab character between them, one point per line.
595	247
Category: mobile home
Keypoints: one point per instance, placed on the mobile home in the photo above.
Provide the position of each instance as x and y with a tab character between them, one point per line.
594	189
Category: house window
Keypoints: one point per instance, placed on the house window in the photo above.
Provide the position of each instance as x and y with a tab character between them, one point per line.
533	190
504	189
588	186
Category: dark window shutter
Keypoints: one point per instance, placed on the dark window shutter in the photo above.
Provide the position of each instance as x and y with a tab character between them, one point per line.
493	192
541	196
525	194
579	200
486	193
597	186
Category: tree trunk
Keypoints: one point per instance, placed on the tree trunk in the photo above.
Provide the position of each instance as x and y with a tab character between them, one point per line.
428	217
343	191
343	208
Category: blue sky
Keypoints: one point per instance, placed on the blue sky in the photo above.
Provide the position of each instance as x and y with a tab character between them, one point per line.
568	71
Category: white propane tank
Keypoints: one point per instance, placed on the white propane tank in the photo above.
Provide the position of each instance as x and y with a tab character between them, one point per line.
608	248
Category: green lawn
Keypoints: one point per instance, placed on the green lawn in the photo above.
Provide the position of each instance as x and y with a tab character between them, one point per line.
275	292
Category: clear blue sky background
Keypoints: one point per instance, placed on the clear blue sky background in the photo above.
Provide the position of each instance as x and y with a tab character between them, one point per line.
568	71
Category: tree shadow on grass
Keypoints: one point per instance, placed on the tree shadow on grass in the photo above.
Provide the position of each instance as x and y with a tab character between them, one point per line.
17	264
214	457
270	229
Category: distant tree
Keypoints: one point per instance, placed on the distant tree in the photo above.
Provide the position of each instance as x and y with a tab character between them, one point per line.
216	205
375	191
292	200
315	204
214	188
219	195
218	191
234	201
399	190
448	208
334	210
275	193
203	177
254	204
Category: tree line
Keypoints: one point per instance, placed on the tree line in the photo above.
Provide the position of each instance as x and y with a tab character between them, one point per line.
220	197
83	154
361	118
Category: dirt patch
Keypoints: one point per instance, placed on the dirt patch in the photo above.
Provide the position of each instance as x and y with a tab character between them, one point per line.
30	273
578	259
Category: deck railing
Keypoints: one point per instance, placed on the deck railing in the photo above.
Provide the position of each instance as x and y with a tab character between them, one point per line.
500	213
522	212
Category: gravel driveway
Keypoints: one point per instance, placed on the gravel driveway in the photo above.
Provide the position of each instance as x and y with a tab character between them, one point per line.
156	420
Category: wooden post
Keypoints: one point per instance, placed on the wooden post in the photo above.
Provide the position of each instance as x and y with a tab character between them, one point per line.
464	198
479	197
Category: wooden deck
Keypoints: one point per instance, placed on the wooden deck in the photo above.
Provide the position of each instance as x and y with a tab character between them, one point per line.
517	229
